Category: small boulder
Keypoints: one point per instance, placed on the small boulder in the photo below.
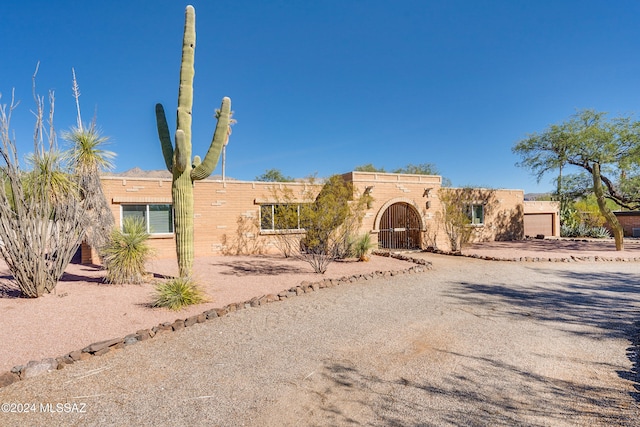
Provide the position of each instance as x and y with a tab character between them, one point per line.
37	367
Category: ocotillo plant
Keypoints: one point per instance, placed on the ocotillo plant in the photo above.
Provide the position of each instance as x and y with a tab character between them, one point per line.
178	160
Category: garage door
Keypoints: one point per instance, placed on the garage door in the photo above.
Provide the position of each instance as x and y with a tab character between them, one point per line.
535	224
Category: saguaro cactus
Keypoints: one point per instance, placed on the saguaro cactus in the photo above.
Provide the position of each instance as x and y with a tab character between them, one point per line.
178	160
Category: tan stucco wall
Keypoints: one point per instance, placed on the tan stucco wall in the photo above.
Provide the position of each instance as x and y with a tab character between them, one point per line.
503	216
218	208
227	213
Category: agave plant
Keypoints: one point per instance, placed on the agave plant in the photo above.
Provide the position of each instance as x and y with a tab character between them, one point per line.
599	233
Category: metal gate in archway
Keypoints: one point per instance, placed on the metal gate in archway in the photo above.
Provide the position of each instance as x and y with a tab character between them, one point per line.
399	227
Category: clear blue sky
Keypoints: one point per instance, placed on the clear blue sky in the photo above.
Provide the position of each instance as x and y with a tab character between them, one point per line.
326	85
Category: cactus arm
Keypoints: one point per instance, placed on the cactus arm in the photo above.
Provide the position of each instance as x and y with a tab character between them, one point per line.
165	136
196	161
218	141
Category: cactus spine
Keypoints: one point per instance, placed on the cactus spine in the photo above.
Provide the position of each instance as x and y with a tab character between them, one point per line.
178	160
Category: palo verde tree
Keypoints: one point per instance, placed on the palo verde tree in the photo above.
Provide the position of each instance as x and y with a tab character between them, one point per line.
178	159
607	149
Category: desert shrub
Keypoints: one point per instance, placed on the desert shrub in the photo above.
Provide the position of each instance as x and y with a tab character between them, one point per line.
362	246
574	230
599	233
583	230
127	252
329	221
567	230
246	240
178	293
455	216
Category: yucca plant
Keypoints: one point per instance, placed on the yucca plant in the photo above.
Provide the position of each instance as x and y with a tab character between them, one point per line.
178	293
88	158
127	252
362	246
47	177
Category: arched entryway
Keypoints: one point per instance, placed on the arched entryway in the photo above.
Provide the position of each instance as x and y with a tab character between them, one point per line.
399	227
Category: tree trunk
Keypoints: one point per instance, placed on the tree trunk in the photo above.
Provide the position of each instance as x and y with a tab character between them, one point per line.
604	210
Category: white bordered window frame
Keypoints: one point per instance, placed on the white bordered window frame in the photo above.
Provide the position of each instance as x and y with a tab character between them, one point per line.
475	212
158	217
269	214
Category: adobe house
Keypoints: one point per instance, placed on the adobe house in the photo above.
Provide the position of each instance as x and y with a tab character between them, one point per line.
234	216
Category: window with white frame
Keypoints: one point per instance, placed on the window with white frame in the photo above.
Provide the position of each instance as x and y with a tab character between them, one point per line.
158	218
475	212
278	217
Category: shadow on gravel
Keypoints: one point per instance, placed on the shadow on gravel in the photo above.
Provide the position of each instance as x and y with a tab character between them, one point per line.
258	267
468	397
8	289
609	302
633	353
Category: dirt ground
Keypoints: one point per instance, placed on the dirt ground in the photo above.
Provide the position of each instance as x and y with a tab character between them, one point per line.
470	342
84	310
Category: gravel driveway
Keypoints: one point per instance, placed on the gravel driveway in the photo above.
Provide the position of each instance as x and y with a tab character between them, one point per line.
469	343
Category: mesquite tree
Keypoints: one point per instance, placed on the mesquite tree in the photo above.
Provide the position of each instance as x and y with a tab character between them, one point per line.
608	150
42	220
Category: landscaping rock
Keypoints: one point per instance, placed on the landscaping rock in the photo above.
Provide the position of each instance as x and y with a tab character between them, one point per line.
178	324
61	362
143	334
102	351
7	378
272	298
37	367
211	314
98	346
131	339
75	355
